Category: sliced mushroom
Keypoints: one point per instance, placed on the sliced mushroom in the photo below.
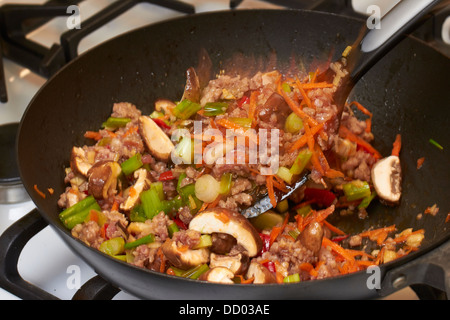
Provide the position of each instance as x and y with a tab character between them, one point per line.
141	184
311	237
237	263
387	179
222	242
274	104
192	87
164	105
79	162
260	274
103	178
218	275
230	222
182	258
158	143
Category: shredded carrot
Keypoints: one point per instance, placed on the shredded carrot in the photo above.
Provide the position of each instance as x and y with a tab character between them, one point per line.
317	85
132	192
304	95
215	202
170	271
270	191
332	173
115	206
131	131
229	124
304	138
203	207
162	267
378	235
347	134
397	145
334	229
341	251
39	192
93	135
406	236
93	215
276	231
183	248
420	162
245	281
366	112
50	190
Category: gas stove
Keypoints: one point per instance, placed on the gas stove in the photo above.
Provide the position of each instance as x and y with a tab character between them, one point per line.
45	262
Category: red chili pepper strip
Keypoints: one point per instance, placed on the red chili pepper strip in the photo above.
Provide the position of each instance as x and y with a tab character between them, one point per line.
161	123
166	176
320	196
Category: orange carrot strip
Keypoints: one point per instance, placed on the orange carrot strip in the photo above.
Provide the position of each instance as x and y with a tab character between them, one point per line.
316	85
93	135
304	95
276	231
334	229
252	107
304	138
397	145
270	191
222	217
39	192
228	124
338	249
347	134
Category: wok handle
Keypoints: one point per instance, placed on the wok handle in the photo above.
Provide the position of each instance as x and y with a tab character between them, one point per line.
376	40
428	275
12	242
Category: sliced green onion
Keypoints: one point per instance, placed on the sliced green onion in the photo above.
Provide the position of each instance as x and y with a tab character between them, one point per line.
293	123
282	206
180	180
156	114
195	272
207	188
304	211
242	122
144	240
285	174
137	214
114	123
185	150
286	87
212	109
226	181
436	144
301	161
366	201
113	246
205	241
158	187
292	278
132	164
186	109
356	190
267	220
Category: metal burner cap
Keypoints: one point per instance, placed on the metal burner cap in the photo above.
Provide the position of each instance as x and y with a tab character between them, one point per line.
11	188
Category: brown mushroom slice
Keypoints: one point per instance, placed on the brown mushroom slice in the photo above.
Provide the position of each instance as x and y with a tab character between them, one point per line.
158	143
141	184
237	263
192	87
103	178
164	105
182	258
222	242
230	222
218	275
260	274
387	179
79	162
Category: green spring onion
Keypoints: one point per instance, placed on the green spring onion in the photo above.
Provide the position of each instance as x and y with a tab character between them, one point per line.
195	272
293	123
226	181
356	190
186	109
294	233
114	123
436	144
304	211
144	240
185	150
243	122
285	174
366	201
205	241
212	109
151	203
172	229
132	164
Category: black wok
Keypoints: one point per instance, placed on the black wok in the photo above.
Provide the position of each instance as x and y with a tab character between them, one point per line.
407	91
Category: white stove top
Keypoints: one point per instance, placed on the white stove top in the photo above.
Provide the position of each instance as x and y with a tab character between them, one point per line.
45	260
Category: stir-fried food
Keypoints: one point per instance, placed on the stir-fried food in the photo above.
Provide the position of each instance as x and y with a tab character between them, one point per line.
165	191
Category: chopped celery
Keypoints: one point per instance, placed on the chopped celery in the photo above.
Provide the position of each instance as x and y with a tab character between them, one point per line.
144	240
114	123
267	220
156	114
294	233
132	164
113	246
186	109
205	241
243	122
172	229
356	190
292	278
215	108
137	214
285	174
151	203
301	161
195	272
282	206
78	213
158	187
366	201
293	123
